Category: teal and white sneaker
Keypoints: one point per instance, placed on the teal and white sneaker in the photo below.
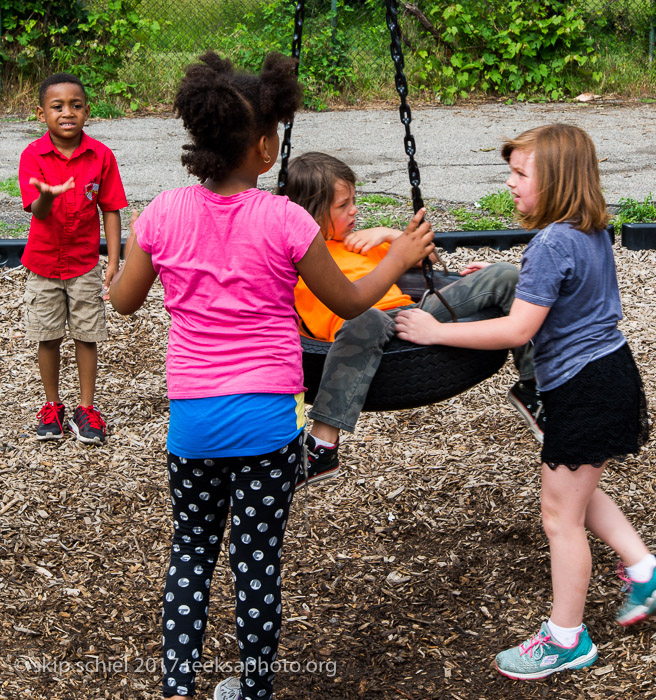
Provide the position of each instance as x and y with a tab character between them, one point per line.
540	656
640	601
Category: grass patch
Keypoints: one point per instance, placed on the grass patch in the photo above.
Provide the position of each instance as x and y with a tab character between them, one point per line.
495	211
473	221
10	186
371	221
380	199
631	211
102	109
624	68
13	230
499	203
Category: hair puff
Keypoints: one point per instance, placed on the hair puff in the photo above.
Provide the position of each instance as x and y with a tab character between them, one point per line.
225	111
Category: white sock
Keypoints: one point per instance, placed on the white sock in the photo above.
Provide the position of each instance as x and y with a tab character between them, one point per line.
565	636
643	570
322	443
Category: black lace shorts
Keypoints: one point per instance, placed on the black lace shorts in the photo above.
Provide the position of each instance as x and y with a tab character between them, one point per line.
598	414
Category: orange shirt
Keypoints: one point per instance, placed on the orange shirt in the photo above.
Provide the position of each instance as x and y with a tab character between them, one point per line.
319	319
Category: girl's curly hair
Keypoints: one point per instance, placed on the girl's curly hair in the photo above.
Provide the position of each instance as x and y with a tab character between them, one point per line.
226	111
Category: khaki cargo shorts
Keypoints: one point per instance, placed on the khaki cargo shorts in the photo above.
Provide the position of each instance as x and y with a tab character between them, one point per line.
50	303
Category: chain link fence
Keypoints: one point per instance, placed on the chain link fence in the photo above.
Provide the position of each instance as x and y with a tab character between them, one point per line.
345	46
345	49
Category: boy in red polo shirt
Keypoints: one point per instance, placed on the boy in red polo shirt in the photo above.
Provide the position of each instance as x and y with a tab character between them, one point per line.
65	176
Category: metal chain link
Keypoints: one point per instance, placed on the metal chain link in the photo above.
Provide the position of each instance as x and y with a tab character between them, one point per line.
401	83
286	148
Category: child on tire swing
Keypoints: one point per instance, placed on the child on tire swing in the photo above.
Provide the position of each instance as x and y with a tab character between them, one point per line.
568	302
325	187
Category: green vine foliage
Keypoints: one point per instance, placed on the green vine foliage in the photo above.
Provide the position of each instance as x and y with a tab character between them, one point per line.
326	61
44	37
522	48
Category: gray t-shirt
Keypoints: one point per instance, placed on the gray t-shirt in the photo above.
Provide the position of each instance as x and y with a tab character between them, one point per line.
573	273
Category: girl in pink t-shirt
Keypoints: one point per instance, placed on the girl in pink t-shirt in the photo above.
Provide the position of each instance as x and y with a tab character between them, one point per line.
228	256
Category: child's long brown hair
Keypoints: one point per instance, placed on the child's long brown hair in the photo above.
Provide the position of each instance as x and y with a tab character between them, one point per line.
567	171
311	183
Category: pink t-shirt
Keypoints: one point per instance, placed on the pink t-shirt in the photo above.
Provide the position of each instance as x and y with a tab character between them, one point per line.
227	265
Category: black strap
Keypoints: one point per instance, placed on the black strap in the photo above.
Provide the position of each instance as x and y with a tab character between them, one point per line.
409	142
286	148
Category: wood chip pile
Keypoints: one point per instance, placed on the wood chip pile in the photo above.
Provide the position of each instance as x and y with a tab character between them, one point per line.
403	577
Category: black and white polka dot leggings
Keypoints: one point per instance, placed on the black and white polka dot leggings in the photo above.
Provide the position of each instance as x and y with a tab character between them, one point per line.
258	491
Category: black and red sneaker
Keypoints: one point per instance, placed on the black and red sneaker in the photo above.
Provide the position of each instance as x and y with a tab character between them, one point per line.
88	425
525	397
51	421
323	462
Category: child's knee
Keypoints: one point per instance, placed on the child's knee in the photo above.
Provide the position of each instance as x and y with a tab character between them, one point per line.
50	345
505	272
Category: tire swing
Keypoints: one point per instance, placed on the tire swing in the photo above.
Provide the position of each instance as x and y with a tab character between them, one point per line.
409	375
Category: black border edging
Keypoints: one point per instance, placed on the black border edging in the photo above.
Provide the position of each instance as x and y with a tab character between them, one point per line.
500	240
11	249
639	236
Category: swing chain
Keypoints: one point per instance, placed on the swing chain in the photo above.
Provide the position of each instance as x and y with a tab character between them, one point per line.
286	149
401	83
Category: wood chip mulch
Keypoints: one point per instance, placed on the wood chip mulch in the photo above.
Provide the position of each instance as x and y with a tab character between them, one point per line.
403	577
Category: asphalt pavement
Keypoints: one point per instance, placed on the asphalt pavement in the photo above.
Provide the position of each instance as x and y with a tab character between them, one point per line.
457	148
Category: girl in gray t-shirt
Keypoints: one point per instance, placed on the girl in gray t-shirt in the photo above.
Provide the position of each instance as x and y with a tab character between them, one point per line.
567	301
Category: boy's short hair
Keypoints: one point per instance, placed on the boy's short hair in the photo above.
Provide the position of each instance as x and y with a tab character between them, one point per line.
311	183
57	79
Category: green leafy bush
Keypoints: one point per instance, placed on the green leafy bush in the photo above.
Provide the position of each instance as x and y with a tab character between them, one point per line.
631	211
524	48
326	63
44	37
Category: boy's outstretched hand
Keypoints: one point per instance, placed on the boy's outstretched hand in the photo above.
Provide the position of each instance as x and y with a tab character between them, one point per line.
52	190
417	326
415	243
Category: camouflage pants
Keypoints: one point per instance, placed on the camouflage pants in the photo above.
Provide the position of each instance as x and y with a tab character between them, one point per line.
355	355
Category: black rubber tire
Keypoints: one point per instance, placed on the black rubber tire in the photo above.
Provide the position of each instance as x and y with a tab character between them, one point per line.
413	375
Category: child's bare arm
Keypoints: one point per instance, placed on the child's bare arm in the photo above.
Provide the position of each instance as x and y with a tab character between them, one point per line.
112	225
368	238
42	205
510	331
131	285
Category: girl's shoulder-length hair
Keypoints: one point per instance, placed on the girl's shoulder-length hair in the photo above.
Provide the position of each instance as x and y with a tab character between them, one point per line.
567	177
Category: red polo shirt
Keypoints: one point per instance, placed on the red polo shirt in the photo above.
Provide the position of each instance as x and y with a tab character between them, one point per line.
66	243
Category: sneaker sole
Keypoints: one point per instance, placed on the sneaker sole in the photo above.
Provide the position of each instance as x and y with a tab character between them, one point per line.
528	418
581	662
81	438
50	436
639	613
320	477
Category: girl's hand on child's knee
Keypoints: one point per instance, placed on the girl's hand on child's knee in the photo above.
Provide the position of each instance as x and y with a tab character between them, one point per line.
474	266
417	326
